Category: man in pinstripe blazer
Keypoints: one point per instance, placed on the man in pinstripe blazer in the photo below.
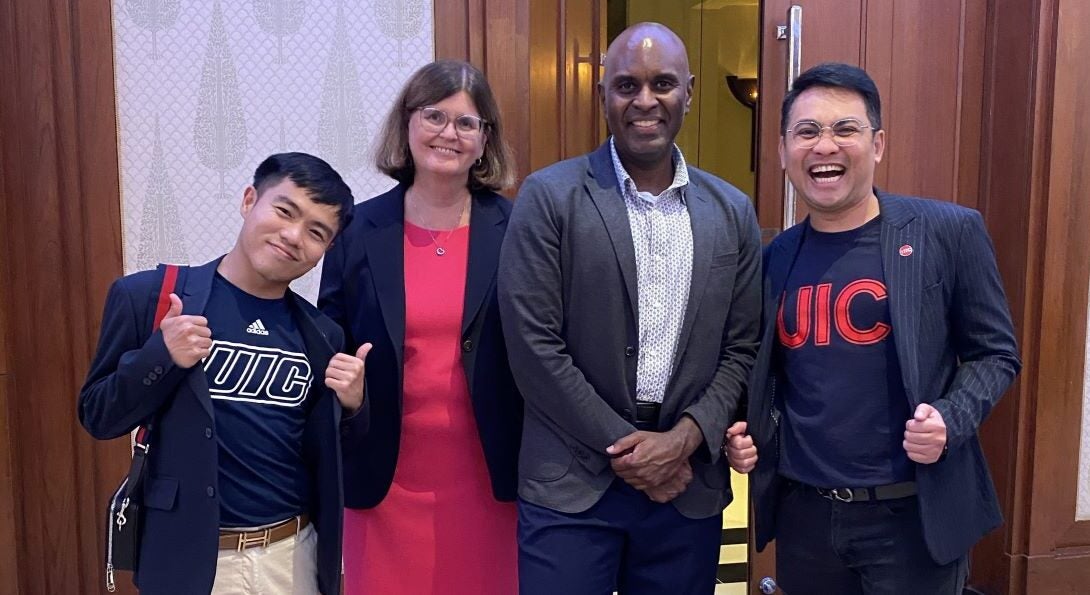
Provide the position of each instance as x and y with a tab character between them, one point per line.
887	340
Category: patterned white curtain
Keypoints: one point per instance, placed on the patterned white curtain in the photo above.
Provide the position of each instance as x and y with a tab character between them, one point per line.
205	90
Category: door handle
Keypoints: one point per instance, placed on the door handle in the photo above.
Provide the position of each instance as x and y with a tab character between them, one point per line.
794	67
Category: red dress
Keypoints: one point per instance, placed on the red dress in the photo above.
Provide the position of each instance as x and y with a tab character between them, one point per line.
439	530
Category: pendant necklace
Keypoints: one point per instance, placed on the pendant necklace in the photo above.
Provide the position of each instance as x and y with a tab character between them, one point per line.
439	249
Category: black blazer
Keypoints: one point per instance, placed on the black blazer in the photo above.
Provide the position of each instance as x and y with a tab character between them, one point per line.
955	342
363	289
132	379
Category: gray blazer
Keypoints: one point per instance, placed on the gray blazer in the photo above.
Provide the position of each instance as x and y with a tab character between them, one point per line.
568	302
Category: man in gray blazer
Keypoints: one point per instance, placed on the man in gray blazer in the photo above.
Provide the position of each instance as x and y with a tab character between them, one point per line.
630	298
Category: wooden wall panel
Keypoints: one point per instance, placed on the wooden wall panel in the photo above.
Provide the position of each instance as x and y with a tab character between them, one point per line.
493	35
546	53
924	55
507	58
1033	188
9	503
567	39
1066	278
10	508
931	92
1016	227
61	238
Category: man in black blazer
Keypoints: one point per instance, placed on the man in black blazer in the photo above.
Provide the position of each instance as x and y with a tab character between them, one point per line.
245	388
887	340
630	298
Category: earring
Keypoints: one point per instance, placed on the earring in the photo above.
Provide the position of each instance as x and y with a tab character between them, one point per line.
479	162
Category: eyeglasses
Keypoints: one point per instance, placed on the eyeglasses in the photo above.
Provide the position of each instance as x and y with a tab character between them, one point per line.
845	133
435	120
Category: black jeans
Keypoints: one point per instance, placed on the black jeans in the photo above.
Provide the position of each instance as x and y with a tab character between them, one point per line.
845	548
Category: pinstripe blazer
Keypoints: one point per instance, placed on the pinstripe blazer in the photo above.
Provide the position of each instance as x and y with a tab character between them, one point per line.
955	342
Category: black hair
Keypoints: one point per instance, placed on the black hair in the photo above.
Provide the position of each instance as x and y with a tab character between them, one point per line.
314	176
836	75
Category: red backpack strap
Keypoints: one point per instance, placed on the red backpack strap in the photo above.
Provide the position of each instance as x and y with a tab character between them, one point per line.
170	278
142	440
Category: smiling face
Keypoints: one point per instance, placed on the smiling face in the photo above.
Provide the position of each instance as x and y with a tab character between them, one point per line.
284	233
447	152
645	94
835	182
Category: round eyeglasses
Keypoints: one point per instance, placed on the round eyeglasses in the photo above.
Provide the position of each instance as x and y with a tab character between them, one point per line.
435	120
845	133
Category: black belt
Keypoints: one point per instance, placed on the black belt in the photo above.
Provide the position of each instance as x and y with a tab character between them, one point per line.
891	491
647	415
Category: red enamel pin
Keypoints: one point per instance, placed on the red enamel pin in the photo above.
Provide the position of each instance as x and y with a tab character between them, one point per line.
905	250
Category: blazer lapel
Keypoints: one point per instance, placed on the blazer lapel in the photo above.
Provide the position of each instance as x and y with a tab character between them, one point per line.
705	224
607	198
198	286
903	251
781	259
319	350
388	240
486	228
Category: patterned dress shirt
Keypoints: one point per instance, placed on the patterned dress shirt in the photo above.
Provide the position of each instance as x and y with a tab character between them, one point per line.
663	239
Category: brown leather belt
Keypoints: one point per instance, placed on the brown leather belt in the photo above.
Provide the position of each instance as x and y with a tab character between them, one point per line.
241	540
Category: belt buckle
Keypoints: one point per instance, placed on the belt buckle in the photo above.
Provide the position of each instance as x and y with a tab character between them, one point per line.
247	540
838	494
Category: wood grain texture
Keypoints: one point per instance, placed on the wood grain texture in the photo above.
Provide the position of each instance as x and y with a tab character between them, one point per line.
494	36
1033	185
507	58
10	508
1016	225
545	85
926	58
61	238
1064	284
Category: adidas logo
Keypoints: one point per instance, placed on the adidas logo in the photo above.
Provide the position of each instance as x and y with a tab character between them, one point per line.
257	328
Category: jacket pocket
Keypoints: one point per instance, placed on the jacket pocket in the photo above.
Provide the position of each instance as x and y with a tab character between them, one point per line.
723	260
161	493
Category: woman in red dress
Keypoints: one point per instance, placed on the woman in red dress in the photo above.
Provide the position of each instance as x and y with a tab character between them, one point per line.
430	465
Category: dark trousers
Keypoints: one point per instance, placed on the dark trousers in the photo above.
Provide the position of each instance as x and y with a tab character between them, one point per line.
624	542
846	548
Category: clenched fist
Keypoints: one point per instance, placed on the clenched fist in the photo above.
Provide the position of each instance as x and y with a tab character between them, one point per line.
925	435
345	376
739	448
188	338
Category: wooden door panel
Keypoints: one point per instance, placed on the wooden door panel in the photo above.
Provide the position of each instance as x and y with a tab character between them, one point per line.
931	88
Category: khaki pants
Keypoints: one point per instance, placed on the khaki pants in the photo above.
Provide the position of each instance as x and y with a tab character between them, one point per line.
287	567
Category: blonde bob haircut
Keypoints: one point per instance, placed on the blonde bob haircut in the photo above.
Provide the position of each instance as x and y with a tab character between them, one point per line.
428	86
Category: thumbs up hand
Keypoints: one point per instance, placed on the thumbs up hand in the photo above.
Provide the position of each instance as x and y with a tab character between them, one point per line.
188	338
925	435
345	376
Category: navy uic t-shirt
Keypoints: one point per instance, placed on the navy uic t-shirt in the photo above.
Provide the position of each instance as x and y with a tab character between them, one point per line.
259	379
844	401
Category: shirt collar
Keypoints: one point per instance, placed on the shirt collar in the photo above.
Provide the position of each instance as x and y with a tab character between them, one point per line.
628	185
